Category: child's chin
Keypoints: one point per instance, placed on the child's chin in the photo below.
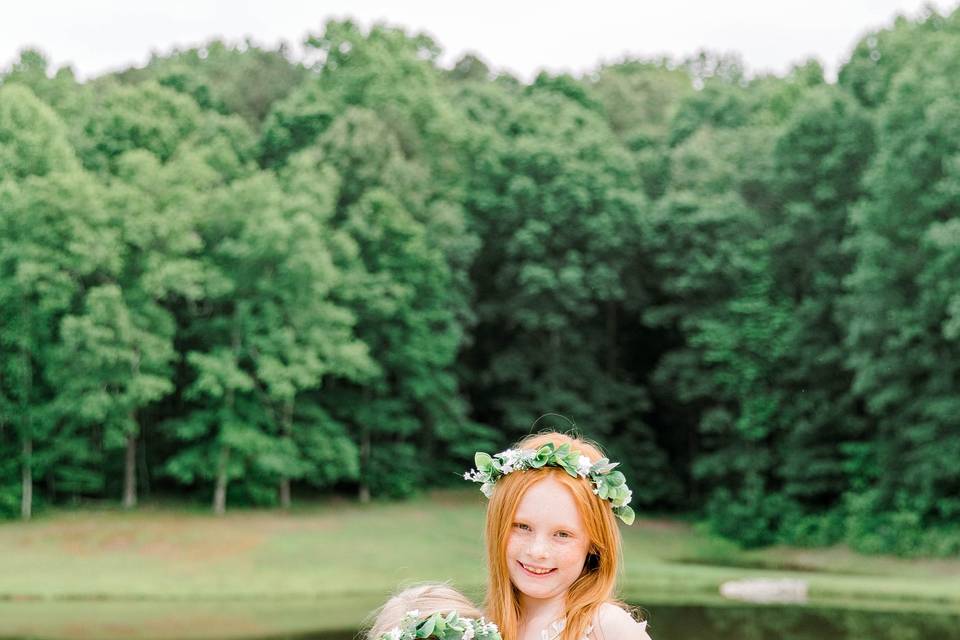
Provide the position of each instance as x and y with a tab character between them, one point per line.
534	587
539	592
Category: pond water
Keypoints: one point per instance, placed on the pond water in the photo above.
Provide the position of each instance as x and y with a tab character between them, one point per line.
259	620
670	622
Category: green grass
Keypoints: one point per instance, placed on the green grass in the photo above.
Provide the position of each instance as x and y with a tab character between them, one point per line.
335	561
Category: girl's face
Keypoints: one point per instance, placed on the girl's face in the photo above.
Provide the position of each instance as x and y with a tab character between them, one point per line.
548	541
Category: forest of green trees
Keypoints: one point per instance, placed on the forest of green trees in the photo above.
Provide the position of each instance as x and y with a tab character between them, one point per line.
230	276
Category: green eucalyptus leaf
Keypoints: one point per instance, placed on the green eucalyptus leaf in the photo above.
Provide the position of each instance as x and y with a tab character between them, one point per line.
625	513
482	460
426	629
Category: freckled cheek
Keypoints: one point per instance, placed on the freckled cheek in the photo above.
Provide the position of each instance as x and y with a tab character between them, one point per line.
514	547
572	558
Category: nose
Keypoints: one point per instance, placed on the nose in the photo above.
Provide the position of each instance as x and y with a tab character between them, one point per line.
538	547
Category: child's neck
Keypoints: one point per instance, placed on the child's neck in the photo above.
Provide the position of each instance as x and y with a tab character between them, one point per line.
541	612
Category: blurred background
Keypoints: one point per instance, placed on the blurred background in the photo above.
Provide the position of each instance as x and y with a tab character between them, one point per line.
261	302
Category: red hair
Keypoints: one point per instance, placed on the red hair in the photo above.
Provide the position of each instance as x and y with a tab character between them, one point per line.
596	584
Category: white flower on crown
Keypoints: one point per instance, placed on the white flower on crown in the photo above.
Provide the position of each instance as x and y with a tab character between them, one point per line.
474	476
395	634
583	466
468	634
488	627
510	460
487	489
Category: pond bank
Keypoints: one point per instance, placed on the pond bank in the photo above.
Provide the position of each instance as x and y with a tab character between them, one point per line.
340	549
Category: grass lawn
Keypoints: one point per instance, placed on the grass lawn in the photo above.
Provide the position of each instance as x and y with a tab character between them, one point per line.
339	559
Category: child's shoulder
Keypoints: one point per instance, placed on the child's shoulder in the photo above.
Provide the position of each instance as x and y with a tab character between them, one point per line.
615	622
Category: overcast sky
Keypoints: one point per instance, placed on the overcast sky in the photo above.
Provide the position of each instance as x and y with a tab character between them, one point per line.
522	36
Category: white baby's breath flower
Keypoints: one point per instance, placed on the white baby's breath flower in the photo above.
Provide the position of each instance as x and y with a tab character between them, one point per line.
509	460
583	466
394	634
487	489
488	627
468	634
475	475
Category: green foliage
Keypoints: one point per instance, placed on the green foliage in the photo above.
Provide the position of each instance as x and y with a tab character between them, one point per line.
881	55
232	79
247	273
148	117
750	516
33	140
901	306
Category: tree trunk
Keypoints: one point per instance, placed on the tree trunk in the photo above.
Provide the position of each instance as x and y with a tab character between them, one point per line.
26	501
287	427
364	493
143	469
220	492
220	489
130	473
130	461
26	480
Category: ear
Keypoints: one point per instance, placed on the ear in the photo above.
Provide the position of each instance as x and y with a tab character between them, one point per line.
592	563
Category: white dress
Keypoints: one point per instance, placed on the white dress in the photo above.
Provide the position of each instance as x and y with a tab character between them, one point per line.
553	631
555	628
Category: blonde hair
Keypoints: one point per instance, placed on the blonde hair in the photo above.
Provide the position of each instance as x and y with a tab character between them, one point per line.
429	598
596	585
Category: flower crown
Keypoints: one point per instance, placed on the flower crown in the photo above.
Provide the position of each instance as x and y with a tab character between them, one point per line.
442	627
607	483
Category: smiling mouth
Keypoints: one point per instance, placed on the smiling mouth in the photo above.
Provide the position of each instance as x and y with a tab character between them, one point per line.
536	572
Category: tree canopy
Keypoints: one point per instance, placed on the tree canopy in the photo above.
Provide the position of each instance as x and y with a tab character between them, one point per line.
241	278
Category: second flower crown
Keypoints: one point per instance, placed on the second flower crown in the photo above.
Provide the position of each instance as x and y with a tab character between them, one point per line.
608	484
442	627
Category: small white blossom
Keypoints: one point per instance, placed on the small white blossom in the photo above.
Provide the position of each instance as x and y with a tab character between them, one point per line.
487	628
510	460
394	634
468	634
487	489
583	466
475	475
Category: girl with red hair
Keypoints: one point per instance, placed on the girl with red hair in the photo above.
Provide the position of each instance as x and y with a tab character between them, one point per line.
553	545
